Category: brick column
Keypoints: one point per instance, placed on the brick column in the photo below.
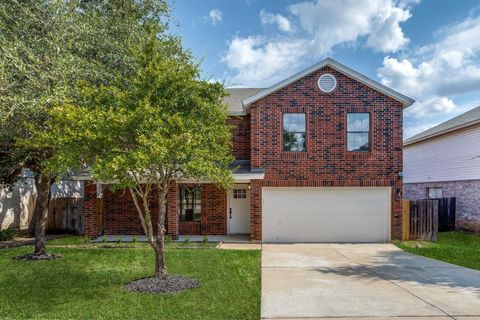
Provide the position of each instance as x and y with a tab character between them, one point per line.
204	215
90	210
172	212
256	210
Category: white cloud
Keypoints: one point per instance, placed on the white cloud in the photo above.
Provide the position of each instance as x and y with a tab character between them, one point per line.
407	3
333	22
215	16
434	72
323	25
282	22
431	106
256	59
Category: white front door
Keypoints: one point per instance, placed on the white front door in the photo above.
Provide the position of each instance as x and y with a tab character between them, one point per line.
239	210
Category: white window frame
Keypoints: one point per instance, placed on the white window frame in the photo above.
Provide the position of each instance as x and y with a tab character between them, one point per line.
434	192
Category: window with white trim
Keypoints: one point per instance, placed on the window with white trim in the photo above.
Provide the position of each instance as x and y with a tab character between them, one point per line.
294	127
358	131
434	192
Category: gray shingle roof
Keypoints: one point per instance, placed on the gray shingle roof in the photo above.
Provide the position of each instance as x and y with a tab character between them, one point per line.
237	95
465	119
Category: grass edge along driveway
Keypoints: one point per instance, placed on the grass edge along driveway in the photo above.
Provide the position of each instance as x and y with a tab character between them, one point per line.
460	248
88	282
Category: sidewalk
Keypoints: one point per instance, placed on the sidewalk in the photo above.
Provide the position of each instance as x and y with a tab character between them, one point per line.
18	242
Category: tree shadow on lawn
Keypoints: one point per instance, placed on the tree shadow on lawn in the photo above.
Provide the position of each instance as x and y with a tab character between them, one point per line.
89	284
400	266
47	284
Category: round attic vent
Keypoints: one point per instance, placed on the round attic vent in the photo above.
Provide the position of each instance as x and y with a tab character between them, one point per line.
327	82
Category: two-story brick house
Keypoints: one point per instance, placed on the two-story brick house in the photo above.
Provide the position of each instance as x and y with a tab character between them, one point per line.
318	158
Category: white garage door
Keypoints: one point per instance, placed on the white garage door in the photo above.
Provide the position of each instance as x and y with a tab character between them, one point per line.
326	214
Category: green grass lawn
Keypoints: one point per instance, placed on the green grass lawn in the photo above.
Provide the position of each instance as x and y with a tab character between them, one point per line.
87	283
459	248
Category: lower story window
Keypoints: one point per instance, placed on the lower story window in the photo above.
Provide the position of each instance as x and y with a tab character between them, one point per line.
190	203
434	192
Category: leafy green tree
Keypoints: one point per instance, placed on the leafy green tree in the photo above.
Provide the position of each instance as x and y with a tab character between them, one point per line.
46	47
147	132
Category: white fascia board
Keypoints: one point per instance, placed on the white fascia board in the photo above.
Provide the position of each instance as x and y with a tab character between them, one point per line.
410	141
237	113
406	101
246	177
237	177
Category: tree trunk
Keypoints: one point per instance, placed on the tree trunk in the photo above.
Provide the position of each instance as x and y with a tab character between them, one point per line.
159	259
44	184
160	269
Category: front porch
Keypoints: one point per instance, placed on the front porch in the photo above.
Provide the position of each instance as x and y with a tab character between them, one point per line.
194	210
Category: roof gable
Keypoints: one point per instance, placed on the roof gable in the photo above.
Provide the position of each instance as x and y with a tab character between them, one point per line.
406	101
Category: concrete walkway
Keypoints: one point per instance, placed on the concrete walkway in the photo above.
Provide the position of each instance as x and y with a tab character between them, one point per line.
363	281
240	246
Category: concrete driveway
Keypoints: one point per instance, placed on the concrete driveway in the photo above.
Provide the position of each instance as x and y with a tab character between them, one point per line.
354	281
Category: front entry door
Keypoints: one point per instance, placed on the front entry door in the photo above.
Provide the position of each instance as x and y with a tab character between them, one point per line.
239	210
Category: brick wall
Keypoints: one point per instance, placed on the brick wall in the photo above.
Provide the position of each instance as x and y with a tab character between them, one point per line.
326	161
121	216
240	136
467	202
89	210
214	210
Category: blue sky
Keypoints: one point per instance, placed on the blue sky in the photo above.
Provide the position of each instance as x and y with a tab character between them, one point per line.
428	50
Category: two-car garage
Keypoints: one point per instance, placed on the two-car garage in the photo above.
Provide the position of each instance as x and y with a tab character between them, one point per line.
336	214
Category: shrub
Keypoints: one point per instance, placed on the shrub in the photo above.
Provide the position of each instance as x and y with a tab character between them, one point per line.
7	234
119	239
186	241
134	239
168	239
205	240
104	238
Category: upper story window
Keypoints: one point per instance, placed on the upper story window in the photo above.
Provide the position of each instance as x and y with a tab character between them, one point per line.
190	204
358	131
434	192
294	132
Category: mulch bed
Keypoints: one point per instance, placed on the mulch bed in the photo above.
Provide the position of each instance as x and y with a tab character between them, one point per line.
34	257
163	284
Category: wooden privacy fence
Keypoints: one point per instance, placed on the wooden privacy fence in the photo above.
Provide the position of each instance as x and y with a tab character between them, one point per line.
446	214
423	219
65	215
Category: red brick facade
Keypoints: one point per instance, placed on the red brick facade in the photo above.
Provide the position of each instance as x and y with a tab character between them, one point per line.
241	136
89	210
121	217
213	220
327	161
120	214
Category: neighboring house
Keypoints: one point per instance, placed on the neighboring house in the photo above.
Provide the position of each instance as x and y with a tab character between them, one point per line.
444	161
17	204
320	160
